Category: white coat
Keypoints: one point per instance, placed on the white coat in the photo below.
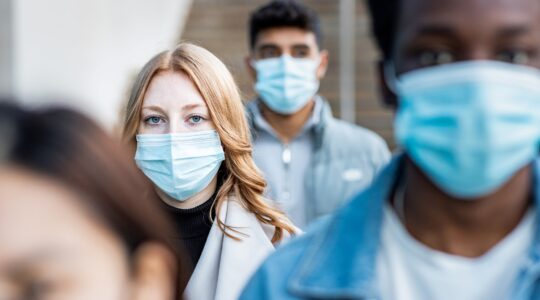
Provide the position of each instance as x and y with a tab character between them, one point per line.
226	265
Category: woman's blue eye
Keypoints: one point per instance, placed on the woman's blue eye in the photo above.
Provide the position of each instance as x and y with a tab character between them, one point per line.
196	119
153	120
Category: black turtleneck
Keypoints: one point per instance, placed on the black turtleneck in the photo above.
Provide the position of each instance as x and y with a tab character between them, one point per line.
192	228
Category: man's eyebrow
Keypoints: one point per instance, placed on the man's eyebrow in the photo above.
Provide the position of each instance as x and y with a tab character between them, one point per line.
437	30
300	46
512	30
266	46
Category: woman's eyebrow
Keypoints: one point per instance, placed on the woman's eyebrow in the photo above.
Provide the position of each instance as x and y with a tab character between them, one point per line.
154	108
193	106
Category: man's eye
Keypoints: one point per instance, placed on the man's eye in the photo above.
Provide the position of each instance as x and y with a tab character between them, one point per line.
520	57
434	58
300	53
269	53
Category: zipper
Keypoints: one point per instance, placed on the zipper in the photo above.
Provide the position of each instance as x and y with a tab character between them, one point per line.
286	157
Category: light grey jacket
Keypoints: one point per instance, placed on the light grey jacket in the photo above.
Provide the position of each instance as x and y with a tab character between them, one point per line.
346	159
227	264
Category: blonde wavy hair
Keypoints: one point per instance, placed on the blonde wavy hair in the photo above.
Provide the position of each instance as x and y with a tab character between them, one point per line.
215	83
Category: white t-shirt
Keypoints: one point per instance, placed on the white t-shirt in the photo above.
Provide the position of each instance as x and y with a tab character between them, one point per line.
409	270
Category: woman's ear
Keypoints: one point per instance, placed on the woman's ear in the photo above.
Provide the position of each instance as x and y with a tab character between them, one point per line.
154	273
388	96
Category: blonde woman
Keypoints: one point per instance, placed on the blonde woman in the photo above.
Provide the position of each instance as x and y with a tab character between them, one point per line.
186	121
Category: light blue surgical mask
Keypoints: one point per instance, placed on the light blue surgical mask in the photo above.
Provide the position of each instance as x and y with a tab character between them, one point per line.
286	84
470	126
180	164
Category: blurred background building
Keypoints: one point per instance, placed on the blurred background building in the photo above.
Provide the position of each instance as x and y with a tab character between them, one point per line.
88	52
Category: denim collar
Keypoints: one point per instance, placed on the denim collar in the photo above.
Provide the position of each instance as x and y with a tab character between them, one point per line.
340	261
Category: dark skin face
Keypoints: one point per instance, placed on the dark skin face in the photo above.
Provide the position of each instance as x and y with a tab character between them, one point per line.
434	32
442	31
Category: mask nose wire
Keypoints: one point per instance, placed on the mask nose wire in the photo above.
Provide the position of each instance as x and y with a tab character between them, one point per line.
253	61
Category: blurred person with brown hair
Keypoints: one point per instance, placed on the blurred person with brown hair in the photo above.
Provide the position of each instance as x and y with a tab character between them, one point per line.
312	161
77	219
185	122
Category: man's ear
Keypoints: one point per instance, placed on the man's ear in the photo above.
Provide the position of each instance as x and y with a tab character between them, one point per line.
154	273
323	65
388	96
251	70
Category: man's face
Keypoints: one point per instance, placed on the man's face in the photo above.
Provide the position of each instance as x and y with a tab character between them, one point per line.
457	112
295	42
434	32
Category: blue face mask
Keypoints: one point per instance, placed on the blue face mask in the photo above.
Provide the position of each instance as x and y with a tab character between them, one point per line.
286	84
180	164
469	126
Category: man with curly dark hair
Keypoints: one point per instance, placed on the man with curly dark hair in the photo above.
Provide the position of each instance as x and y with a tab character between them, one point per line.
311	161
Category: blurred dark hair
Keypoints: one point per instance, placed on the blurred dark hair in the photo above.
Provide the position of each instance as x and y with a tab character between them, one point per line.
72	149
284	13
384	19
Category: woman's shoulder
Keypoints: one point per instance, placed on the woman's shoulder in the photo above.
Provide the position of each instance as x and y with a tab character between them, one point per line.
237	211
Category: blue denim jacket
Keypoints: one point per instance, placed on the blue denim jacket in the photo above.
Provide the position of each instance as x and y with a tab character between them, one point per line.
336	258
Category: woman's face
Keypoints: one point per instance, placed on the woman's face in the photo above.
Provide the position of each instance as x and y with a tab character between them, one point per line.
53	247
172	104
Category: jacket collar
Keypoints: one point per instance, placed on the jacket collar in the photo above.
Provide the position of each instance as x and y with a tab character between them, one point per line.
322	119
535	249
229	262
340	261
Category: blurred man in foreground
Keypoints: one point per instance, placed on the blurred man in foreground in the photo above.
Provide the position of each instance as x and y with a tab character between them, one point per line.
456	216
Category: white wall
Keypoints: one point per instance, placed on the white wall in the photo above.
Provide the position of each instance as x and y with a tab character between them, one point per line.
87	52
6	60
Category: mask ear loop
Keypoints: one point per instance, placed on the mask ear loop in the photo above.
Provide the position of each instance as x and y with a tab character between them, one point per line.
252	62
390	77
318	60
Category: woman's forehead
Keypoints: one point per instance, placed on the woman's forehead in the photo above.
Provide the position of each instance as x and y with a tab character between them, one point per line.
172	89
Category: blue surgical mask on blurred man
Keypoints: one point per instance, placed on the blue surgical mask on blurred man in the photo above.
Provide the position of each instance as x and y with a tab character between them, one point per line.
285	83
471	125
